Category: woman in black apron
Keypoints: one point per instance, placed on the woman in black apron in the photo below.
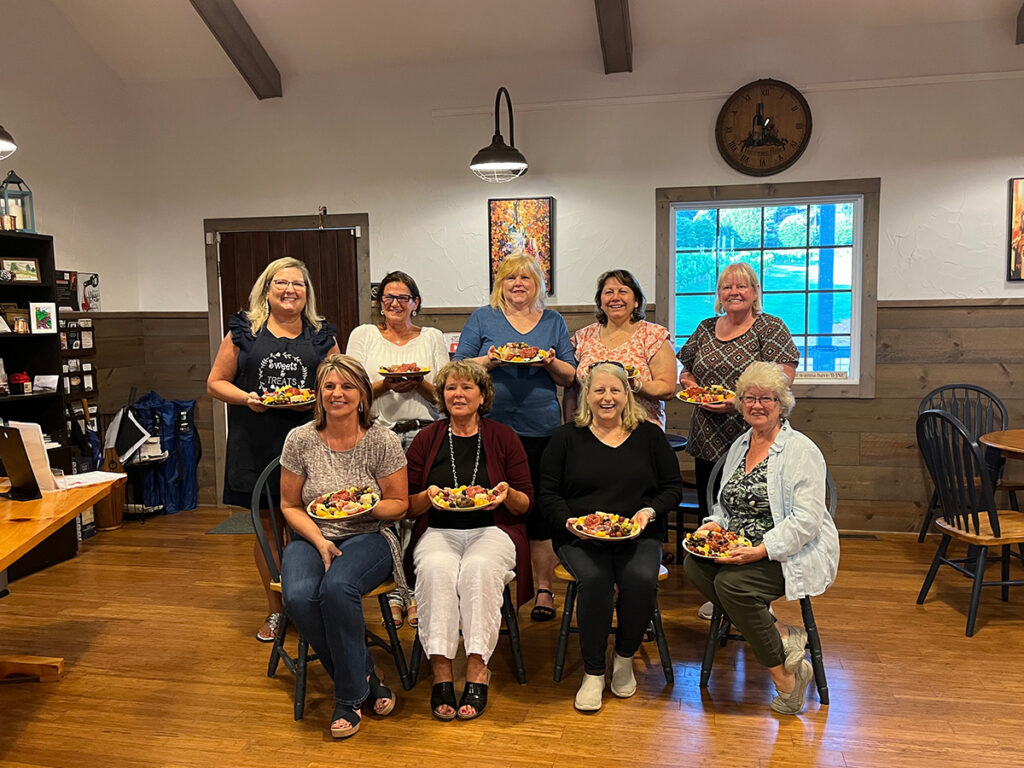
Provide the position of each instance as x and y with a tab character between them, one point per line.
278	342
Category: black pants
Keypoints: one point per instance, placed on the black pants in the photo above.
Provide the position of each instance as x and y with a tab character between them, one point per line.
537	528
598	568
702	468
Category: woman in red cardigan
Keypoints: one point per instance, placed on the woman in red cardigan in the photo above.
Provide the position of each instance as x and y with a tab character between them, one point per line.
463	558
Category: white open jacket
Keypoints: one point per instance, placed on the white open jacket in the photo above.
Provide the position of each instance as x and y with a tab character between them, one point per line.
804	538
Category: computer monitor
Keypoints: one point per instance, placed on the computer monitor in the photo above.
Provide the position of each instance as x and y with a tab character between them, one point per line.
17	466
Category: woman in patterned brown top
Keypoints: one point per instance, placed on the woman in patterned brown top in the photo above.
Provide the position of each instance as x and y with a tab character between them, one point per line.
717	352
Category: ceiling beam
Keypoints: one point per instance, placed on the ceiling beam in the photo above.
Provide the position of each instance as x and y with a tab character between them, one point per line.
616	37
241	45
1020	25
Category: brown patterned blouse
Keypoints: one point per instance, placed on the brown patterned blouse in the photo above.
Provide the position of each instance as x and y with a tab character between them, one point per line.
712	361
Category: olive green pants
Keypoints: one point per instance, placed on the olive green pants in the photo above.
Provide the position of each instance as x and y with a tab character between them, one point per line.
744	593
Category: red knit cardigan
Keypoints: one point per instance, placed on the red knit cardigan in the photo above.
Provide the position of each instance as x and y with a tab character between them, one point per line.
506	461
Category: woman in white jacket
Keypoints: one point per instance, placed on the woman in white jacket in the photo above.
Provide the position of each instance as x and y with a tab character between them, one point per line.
773	492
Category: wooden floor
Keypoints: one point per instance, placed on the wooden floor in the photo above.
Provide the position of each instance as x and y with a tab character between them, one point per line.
156	625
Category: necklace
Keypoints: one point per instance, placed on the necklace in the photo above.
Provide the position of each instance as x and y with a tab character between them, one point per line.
476	462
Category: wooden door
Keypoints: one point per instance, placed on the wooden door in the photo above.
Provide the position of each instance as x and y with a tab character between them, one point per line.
329	254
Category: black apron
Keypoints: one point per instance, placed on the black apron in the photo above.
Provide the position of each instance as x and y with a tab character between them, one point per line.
256	438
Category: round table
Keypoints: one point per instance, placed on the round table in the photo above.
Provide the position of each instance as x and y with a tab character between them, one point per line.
1009	441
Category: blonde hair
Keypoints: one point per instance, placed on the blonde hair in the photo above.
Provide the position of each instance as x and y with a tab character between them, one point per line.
467	370
632	415
749	275
768	376
259	309
516	262
351	370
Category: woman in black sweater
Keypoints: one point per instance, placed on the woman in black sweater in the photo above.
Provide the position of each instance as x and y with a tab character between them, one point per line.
613	460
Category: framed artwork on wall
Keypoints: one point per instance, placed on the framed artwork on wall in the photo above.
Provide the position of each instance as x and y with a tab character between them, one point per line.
20	270
1015	251
522	224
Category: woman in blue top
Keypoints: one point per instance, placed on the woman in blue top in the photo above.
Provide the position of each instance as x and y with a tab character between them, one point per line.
525	396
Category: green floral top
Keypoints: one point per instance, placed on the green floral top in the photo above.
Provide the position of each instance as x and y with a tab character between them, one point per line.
746	496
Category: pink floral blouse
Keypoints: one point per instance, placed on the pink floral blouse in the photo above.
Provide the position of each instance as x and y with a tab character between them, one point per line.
638	352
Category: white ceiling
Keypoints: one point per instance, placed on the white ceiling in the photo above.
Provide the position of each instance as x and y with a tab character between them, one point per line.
152	41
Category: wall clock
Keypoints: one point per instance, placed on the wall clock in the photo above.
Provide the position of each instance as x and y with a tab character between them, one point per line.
763	128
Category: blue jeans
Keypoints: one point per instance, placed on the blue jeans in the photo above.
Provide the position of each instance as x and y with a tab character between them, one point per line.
327	607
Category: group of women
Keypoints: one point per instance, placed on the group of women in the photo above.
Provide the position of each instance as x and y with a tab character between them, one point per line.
479	421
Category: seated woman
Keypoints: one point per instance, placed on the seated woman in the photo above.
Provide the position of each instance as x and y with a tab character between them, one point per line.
463	558
613	460
331	563
773	491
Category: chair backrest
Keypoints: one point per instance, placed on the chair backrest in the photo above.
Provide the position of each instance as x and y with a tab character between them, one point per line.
962	478
977	409
263	498
831	497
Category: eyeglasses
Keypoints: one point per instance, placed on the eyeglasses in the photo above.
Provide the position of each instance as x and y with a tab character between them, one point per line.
764	400
281	285
402	298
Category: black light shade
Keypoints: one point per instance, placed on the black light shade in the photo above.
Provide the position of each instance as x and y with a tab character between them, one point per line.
500	162
7	145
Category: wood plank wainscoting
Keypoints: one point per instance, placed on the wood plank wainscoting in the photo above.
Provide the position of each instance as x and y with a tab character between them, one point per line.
164	351
870	445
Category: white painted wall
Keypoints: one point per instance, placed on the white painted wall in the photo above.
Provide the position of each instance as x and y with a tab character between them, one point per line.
396	144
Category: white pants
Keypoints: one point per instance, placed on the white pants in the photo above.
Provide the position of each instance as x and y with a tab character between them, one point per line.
462	574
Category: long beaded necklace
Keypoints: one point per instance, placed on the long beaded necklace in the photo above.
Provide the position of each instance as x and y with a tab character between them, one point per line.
476	462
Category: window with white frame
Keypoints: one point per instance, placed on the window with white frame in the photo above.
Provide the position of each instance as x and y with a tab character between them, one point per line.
809	253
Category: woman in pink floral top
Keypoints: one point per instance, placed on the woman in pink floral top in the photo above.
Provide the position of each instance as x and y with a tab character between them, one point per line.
622	335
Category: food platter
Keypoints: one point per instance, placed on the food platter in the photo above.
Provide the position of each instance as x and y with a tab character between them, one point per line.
403	371
465	498
604	526
287	397
716	393
519	353
714	544
343	504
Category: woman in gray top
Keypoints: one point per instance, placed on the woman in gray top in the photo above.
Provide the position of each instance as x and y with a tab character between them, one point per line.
341	448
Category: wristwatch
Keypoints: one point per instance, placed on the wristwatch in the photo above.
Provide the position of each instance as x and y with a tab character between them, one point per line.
650	511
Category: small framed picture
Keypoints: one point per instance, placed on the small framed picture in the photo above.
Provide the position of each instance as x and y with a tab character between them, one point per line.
74	365
1015	249
42	317
21	270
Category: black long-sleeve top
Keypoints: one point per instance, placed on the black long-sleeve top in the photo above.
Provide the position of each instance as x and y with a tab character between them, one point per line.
579	474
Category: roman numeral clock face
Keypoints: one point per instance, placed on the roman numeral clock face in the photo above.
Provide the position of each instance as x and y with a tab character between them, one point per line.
763	128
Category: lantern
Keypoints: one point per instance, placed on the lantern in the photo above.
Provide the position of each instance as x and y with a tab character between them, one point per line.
16	201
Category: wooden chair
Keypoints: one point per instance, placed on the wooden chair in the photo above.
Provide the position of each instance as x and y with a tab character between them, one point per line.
719	633
656	629
510	630
980	411
964	485
272	552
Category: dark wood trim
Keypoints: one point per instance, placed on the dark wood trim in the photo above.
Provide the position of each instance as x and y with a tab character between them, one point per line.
241	45
768	191
142	315
615	34
964	303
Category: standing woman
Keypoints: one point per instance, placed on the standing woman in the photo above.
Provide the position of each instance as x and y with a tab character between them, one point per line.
403	405
717	352
331	563
278	342
526	396
614	460
621	334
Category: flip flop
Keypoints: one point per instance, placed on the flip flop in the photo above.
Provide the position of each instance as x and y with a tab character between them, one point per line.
543	612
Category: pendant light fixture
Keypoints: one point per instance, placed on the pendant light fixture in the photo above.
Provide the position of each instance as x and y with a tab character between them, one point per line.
500	162
7	145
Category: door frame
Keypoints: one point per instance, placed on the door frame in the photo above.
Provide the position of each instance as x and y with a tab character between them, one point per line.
360	222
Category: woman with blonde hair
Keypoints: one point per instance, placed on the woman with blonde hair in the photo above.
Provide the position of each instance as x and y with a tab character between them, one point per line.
277	342
526	396
611	459
717	352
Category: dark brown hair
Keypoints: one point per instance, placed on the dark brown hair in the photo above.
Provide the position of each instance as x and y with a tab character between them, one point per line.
625	277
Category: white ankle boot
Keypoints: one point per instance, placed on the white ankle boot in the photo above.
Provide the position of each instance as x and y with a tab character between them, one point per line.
588	697
623	681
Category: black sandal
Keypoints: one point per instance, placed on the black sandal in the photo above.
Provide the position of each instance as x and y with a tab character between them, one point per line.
443	694
379	691
543	612
473	695
350	716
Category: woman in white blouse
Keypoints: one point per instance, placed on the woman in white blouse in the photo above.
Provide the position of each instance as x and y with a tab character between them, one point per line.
404	404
